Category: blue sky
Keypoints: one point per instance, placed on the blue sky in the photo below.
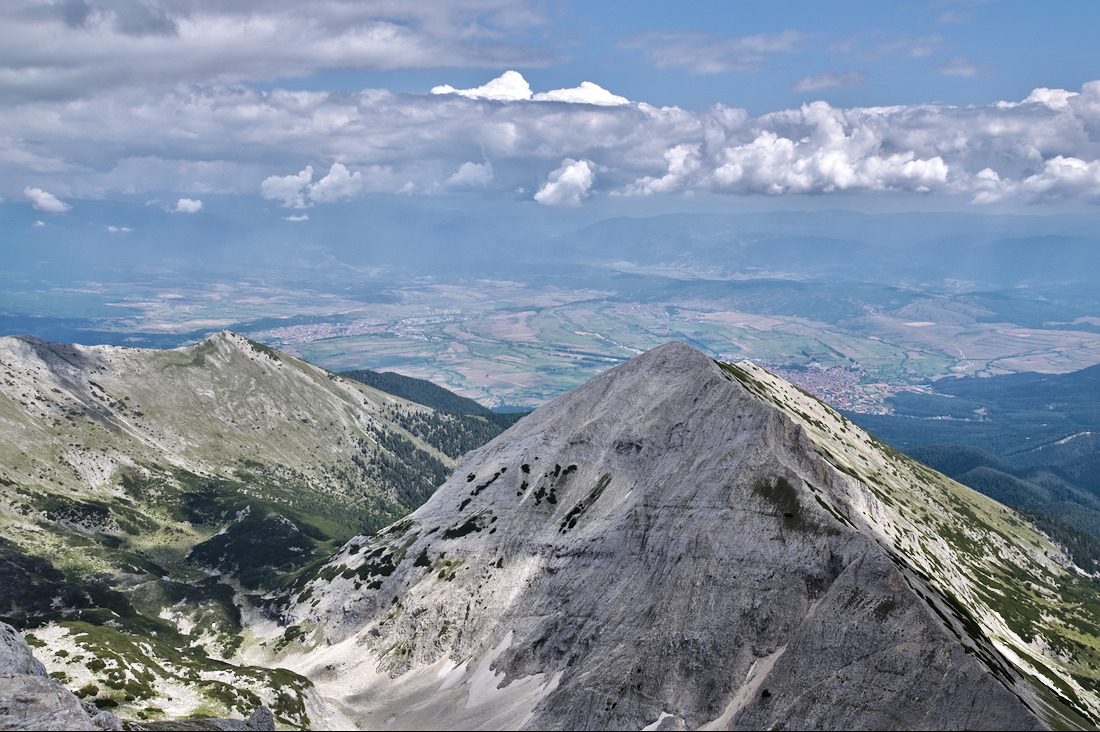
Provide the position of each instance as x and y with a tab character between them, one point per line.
861	53
296	106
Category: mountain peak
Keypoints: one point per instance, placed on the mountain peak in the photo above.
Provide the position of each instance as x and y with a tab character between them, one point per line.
232	339
673	355
684	542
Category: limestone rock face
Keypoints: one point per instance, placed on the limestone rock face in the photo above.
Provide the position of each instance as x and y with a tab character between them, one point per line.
31	700
682	544
16	657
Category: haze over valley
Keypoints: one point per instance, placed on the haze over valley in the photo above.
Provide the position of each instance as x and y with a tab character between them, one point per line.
856	306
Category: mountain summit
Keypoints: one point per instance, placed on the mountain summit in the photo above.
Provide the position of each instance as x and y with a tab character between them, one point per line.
681	543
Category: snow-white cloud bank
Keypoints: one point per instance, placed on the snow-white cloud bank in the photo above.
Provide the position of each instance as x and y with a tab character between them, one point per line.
234	139
512	87
586	93
508	87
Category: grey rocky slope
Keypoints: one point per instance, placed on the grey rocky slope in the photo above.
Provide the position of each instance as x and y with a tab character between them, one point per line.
31	700
685	544
148	498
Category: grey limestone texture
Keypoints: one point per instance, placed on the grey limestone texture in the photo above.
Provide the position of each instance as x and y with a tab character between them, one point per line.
651	550
31	700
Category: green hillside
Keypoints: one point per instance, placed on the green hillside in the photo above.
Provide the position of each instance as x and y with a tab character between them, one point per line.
467	424
420	391
148	499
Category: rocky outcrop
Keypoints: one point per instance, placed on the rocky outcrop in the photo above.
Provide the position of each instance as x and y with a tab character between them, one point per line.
31	700
681	544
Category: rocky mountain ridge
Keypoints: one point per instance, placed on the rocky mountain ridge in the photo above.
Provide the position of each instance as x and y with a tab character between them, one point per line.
678	543
202	408
686	544
149	498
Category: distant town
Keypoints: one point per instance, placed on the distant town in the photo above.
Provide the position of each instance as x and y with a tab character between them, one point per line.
838	386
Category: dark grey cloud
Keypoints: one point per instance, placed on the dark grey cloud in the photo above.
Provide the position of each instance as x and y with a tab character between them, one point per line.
79	48
134	18
75	13
140	19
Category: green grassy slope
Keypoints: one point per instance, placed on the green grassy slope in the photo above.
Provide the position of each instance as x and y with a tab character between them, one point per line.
149	498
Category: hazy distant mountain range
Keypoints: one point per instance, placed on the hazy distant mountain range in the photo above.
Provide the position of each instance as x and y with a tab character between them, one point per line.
678	543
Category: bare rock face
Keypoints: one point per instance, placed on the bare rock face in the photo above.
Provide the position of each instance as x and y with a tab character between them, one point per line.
16	657
680	544
31	700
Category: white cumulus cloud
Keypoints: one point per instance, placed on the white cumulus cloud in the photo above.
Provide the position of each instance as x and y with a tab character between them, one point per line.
472	174
1053	98
821	151
45	201
508	87
1065	177
290	190
338	184
586	93
299	190
434	144
187	205
567	185
683	161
